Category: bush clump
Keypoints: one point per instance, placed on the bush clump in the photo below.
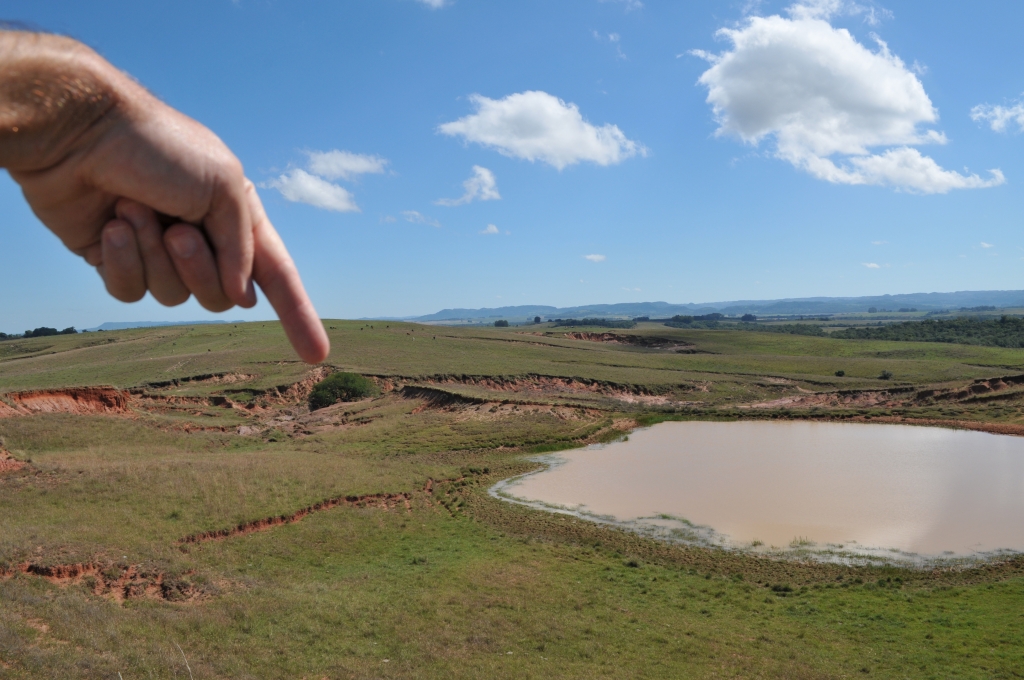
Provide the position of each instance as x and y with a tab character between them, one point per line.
341	387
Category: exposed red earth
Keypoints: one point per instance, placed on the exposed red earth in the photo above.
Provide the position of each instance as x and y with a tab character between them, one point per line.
82	400
382	501
118	582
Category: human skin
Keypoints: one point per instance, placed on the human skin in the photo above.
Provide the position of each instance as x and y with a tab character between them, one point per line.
148	196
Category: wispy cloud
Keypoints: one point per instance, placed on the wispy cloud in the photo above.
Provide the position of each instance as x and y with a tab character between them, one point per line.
537	126
595	258
614	39
482	186
999	117
313	187
491	229
435	4
419	218
344	164
986	245
871	265
301	187
629	5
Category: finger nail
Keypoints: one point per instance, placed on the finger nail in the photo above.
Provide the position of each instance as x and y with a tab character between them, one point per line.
117	236
250	293
182	244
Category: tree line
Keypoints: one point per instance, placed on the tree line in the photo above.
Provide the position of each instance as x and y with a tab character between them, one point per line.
1006	331
40	332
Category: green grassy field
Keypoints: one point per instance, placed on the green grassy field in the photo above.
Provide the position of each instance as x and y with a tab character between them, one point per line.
413	571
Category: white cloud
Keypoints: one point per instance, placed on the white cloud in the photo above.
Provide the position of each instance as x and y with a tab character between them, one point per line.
435	4
820	94
595	258
344	164
301	187
986	245
419	218
871	265
481	186
536	126
491	229
312	187
998	117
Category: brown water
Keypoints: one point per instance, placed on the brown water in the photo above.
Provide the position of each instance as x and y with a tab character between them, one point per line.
867	488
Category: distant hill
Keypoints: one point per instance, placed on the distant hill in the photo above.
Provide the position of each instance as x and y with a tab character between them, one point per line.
122	325
812	305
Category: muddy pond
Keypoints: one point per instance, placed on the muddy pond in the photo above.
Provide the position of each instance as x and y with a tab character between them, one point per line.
832	490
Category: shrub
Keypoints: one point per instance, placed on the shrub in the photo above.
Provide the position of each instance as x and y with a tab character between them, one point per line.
885	375
840	373
536	319
341	387
748	318
501	323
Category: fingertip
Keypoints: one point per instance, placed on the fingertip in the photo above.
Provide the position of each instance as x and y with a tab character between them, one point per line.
314	346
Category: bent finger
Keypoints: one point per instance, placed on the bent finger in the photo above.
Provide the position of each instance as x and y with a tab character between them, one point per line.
161	277
122	269
229	227
275	272
193	260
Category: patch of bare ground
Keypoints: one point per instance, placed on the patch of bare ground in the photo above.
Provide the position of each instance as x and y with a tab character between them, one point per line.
9	463
647	341
979	390
119	582
433	494
81	400
203	379
534	386
993	428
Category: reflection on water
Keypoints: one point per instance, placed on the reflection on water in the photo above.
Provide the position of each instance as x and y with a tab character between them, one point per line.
918	490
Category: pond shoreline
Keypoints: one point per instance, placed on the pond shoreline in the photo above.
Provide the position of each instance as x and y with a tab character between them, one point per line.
667	528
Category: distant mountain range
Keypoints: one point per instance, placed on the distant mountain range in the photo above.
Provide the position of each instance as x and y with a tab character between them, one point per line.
811	305
122	325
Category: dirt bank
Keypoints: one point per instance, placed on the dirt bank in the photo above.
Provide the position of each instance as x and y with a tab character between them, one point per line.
384	501
979	390
83	400
119	582
8	463
651	342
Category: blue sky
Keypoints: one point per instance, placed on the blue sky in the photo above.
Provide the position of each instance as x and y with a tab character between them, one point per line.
698	151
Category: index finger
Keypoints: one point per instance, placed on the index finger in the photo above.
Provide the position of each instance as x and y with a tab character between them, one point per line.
275	272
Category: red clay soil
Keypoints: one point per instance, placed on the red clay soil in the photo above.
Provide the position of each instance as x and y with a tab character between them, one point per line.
118	582
384	501
9	463
84	400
